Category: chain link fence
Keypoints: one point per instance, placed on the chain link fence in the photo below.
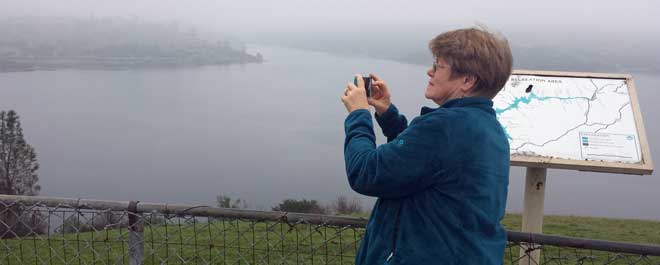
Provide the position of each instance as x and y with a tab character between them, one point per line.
39	230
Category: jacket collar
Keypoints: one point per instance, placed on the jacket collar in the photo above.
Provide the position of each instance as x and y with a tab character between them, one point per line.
477	102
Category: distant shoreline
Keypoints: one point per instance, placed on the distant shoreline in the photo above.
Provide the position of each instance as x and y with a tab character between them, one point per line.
52	43
112	63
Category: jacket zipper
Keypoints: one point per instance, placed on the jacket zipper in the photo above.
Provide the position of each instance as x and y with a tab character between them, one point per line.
396	232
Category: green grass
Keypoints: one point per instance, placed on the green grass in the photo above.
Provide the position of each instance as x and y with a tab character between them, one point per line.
215	242
233	242
622	230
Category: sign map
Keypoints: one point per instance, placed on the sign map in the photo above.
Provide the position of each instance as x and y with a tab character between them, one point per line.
569	117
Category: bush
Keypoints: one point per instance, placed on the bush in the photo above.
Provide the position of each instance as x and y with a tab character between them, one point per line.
74	224
344	205
154	219
18	221
81	222
226	202
300	206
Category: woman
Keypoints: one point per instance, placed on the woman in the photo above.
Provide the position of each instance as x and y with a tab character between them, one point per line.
442	180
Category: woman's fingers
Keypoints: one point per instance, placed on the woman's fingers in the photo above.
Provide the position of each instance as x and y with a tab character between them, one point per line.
360	81
375	77
351	87
376	90
380	87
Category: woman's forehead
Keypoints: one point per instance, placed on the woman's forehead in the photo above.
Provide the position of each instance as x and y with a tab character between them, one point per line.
440	59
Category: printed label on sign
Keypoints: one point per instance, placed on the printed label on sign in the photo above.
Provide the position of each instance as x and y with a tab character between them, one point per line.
609	147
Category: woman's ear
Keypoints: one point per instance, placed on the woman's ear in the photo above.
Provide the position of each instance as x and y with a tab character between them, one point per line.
469	81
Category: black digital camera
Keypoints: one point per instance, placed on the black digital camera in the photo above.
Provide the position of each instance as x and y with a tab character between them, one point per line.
367	84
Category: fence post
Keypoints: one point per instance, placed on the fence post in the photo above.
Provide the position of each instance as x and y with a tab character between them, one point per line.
135	235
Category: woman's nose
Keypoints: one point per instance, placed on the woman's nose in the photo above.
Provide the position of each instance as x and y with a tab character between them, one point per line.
429	72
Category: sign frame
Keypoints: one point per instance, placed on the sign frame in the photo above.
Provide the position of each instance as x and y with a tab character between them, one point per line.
645	167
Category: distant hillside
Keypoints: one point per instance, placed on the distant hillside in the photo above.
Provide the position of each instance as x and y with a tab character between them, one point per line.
109	43
559	51
554	58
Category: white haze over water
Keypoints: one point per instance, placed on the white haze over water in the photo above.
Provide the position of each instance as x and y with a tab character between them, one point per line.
255	16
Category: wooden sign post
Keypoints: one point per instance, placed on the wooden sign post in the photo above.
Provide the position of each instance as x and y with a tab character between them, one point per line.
532	217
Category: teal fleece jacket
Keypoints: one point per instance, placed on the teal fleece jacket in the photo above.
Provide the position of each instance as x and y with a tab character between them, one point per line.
441	184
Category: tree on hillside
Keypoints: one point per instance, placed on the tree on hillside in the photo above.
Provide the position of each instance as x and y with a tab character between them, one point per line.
18	176
18	160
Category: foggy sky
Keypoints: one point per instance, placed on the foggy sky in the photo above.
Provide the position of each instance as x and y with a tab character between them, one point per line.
249	17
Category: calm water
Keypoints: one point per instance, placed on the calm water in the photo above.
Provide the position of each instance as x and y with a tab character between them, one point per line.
261	132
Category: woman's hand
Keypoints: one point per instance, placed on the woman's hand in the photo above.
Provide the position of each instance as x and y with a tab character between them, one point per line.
355	97
380	95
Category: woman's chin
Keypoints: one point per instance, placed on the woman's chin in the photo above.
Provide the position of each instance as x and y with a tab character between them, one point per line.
427	95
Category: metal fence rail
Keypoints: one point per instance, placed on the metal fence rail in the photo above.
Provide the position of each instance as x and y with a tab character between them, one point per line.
40	230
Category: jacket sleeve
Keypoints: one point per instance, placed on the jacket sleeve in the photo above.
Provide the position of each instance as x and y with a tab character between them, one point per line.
407	164
392	122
